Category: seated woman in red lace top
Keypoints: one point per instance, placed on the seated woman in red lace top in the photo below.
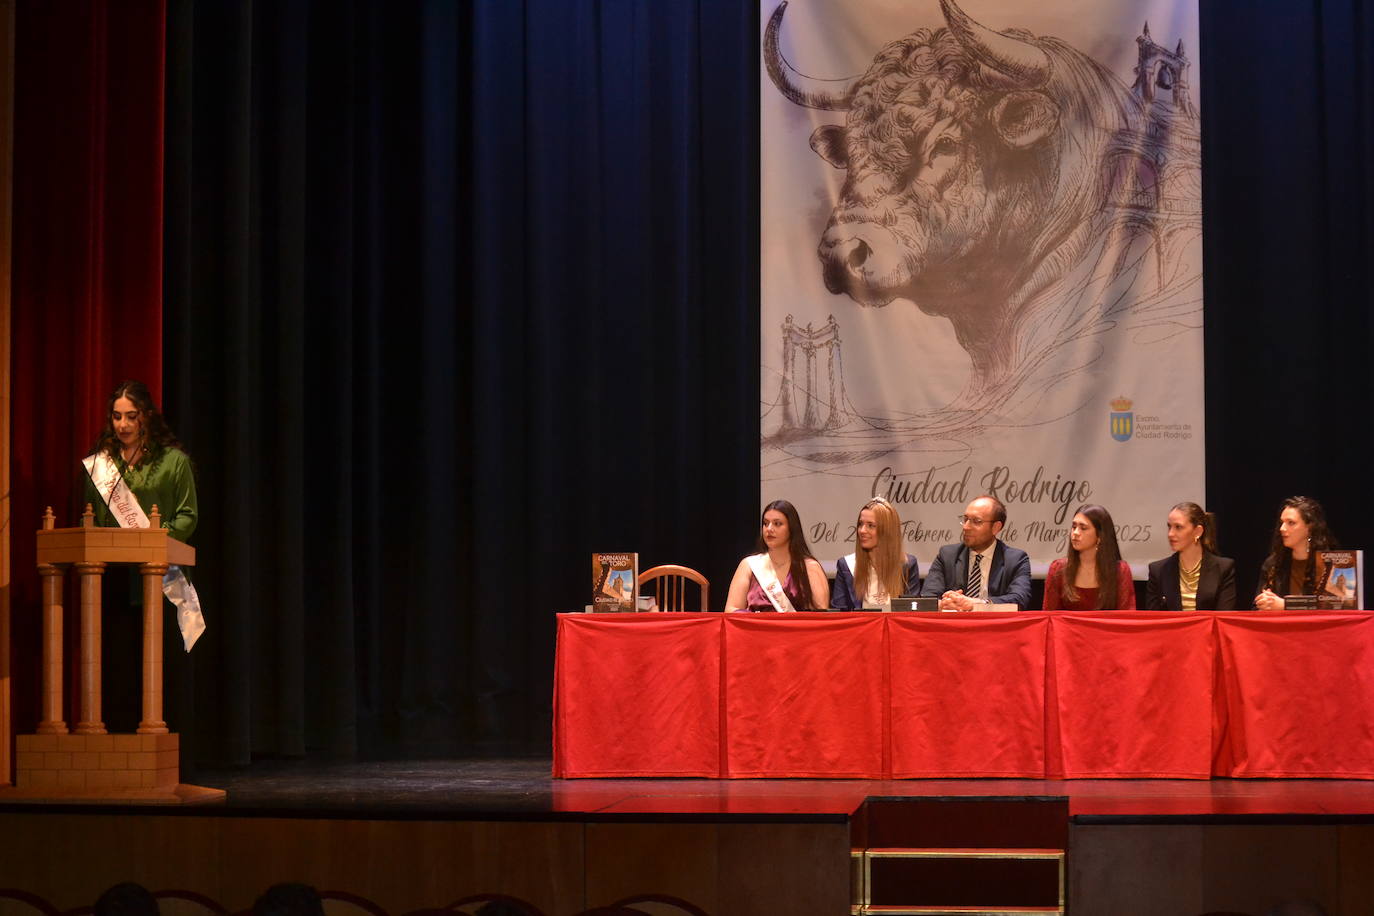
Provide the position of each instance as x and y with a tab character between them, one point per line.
1092	577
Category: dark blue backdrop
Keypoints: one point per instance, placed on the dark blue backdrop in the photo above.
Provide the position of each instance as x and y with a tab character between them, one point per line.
460	293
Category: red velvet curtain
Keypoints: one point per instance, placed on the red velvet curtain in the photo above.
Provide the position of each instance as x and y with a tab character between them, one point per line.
87	294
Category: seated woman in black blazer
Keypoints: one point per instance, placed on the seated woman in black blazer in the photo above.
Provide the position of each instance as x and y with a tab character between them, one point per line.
1193	578
878	570
1292	568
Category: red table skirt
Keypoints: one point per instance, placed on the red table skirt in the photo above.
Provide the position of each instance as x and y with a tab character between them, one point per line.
1124	694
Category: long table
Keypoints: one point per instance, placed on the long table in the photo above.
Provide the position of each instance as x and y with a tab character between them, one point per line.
1123	694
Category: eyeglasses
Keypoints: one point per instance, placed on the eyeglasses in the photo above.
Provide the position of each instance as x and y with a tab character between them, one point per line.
971	522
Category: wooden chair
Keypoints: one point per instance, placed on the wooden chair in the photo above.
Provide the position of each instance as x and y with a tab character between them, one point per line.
668	586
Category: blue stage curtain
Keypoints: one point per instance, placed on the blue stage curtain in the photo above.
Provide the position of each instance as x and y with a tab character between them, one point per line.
1288	210
457	294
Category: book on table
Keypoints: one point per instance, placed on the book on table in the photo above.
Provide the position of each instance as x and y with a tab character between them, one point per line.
615	582
1342	585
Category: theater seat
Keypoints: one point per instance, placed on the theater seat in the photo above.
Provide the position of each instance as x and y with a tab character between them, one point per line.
14	902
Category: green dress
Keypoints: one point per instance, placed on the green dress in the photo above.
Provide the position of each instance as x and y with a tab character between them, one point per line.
164	480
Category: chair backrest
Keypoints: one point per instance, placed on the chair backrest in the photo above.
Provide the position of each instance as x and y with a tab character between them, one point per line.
669	582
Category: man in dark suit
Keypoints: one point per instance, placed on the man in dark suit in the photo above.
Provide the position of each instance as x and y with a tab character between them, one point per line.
997	574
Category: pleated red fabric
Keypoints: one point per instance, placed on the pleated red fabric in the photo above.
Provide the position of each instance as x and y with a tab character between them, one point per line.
638	694
968	695
1133	696
1299	694
1106	695
804	700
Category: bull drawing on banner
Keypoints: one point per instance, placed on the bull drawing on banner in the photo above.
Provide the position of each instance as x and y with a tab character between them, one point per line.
1011	184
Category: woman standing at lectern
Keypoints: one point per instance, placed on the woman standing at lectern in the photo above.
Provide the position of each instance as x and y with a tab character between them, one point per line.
138	450
878	570
137	463
1291	568
1194	577
783	575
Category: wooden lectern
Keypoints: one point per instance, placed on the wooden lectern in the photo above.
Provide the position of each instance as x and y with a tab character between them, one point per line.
87	763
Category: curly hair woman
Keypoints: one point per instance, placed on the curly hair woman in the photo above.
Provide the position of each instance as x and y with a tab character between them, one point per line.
136	464
138	449
1291	567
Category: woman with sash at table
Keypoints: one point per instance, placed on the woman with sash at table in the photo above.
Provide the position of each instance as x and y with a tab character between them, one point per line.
877	571
783	575
1291	567
1193	577
1092	576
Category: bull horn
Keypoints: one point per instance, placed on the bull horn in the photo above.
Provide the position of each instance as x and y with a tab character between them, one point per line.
1025	64
809	92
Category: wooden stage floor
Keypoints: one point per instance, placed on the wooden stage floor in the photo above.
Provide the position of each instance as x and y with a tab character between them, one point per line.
411	836
517	788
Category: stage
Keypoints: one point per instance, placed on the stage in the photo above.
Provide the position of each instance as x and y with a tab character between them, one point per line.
400	836
516	788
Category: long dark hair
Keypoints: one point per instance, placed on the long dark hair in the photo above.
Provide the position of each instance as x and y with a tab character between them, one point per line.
1108	558
1278	566
1197	515
797	550
157	435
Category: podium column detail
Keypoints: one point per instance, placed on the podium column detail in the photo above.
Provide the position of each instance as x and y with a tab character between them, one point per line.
152	723
90	722
52	722
92	764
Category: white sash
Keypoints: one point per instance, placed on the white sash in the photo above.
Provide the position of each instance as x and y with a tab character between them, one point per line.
867	601
768	579
110	484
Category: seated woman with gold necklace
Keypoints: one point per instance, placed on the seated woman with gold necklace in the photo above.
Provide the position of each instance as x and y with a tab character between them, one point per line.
1193	577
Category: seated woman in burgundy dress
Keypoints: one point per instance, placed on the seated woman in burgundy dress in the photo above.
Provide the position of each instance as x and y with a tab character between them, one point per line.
1093	577
783	575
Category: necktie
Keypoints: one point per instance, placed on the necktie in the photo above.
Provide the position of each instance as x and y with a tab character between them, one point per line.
975	578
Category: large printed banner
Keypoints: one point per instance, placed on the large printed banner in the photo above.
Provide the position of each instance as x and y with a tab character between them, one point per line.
981	265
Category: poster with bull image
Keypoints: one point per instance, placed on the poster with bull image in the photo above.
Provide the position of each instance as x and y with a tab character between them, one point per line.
981	265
